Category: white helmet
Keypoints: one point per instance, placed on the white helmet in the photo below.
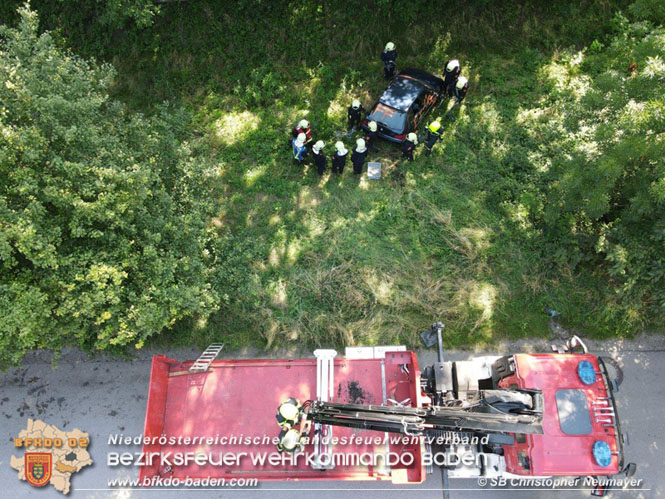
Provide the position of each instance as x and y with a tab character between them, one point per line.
372	126
303	123
300	140
452	65
461	82
360	145
389	47
339	145
355	104
318	146
291	440
412	137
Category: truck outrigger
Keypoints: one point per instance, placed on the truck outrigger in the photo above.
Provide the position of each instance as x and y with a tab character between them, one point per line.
520	415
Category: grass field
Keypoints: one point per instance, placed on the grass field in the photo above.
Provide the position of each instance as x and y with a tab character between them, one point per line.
337	261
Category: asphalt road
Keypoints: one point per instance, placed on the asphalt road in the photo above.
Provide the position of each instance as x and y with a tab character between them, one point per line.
104	396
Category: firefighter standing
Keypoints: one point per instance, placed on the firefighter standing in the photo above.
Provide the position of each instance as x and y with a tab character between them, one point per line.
302	127
461	88
450	75
289	414
409	145
433	136
339	158
299	148
354	114
290	441
389	58
319	158
358	156
372	135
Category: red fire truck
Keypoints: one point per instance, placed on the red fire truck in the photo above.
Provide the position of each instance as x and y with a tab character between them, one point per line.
520	415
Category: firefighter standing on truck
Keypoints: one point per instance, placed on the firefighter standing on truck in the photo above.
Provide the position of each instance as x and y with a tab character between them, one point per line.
289	414
354	114
290	441
433	136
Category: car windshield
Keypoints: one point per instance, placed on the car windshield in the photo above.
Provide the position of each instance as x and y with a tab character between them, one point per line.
388	117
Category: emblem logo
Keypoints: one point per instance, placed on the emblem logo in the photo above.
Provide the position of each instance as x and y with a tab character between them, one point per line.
38	468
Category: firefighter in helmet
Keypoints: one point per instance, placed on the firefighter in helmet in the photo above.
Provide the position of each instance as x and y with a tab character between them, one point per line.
358	156
450	75
319	157
302	127
289	413
339	158
354	114
290	441
299	148
372	135
461	88
389	58
409	146
433	135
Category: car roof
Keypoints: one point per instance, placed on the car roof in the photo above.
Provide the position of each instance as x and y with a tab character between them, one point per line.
402	93
427	79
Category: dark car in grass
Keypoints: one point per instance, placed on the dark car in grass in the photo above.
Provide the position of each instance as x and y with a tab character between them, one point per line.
401	108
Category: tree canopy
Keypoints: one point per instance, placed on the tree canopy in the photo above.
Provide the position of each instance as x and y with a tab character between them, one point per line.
104	238
605	192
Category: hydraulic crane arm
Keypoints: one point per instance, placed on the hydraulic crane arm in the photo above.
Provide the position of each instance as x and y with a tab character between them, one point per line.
492	414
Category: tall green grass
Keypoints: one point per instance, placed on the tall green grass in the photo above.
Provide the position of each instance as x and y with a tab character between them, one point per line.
343	260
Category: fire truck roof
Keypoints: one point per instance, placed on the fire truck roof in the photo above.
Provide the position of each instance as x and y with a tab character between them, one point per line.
239	398
576	416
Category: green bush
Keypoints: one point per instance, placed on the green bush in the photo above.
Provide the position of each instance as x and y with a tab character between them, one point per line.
605	195
103	213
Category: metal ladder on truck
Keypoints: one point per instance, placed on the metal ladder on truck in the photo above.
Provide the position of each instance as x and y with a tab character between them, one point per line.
202	364
325	389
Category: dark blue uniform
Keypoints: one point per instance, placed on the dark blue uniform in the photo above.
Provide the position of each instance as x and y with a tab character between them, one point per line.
389	59
358	160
